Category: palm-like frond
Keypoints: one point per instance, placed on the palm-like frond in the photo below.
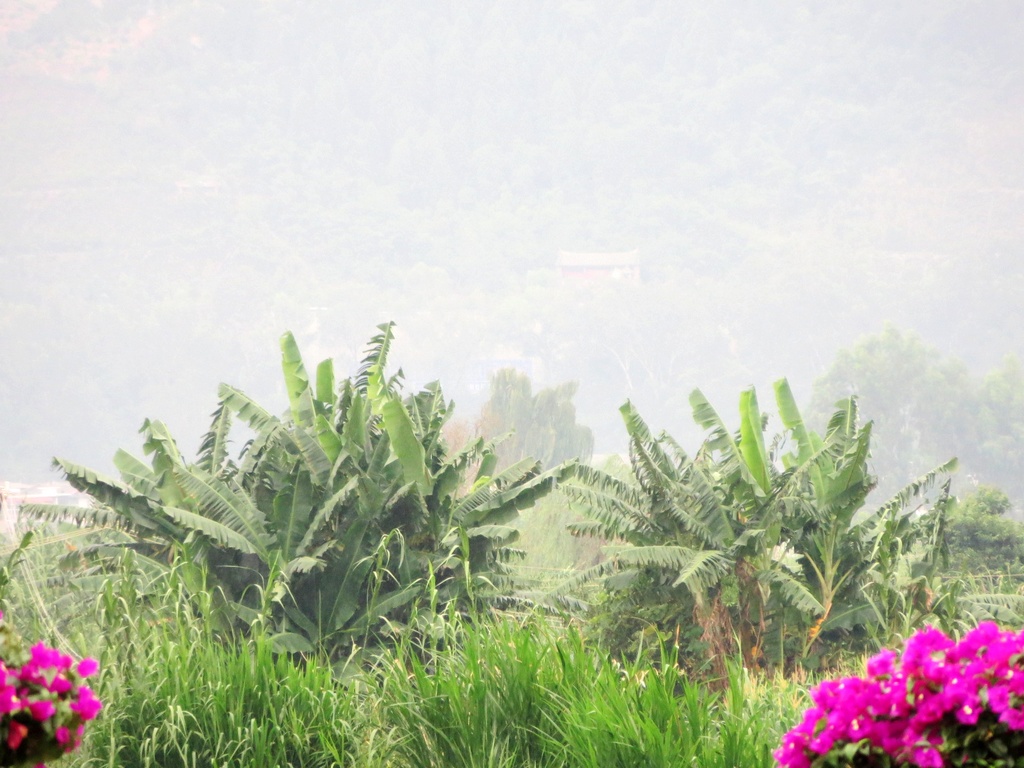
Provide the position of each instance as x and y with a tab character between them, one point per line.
697	569
585	576
98	516
375	361
651	464
134	510
218	532
247	409
732	462
505	501
617	515
916	488
225	503
213	450
794	591
137	475
1004	609
292	509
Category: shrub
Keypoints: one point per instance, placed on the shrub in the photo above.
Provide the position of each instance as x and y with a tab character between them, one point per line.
940	703
43	704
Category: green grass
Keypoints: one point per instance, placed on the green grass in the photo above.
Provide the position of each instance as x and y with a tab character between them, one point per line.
508	693
502	692
530	693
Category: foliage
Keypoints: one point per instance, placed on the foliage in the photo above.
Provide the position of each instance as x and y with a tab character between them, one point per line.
545	538
547	544
11	562
178	696
754	544
926	405
541	425
939	703
529	693
503	691
982	539
336	523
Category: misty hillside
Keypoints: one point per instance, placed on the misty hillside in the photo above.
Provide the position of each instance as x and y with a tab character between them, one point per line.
180	182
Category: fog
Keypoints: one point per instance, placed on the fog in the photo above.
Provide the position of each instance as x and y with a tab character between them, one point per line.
181	182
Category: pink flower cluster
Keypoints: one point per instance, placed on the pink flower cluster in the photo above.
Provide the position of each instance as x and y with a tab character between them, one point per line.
43	704
917	708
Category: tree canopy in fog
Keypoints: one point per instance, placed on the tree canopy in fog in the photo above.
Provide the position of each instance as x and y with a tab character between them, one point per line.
183	181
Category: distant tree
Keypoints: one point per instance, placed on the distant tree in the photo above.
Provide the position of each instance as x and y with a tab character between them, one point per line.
923	406
542	425
982	538
998	450
926	406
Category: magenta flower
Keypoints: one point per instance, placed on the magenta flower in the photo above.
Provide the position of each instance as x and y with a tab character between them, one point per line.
43	703
920	707
42	710
88	706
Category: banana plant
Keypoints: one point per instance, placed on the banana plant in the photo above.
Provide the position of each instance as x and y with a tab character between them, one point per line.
343	518
768	541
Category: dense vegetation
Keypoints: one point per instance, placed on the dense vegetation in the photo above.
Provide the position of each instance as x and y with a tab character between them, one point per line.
335	524
333	579
343	592
511	692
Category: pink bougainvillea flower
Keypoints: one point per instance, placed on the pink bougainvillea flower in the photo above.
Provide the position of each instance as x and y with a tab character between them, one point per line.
917	707
87	706
42	709
87	667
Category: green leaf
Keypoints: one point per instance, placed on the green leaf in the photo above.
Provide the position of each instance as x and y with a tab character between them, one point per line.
697	569
376	610
354	431
213	450
406	445
219	532
344	575
328	438
137	474
290	642
315	458
293	507
228	505
247	409
135	512
296	382
752	439
795	592
325	383
370	378
789	415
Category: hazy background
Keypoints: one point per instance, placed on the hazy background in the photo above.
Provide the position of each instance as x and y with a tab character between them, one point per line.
180	182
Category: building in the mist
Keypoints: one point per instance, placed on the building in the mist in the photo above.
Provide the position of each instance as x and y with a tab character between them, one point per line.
13	495
585	267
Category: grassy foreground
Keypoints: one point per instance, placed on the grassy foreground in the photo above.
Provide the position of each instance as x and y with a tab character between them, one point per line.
508	691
